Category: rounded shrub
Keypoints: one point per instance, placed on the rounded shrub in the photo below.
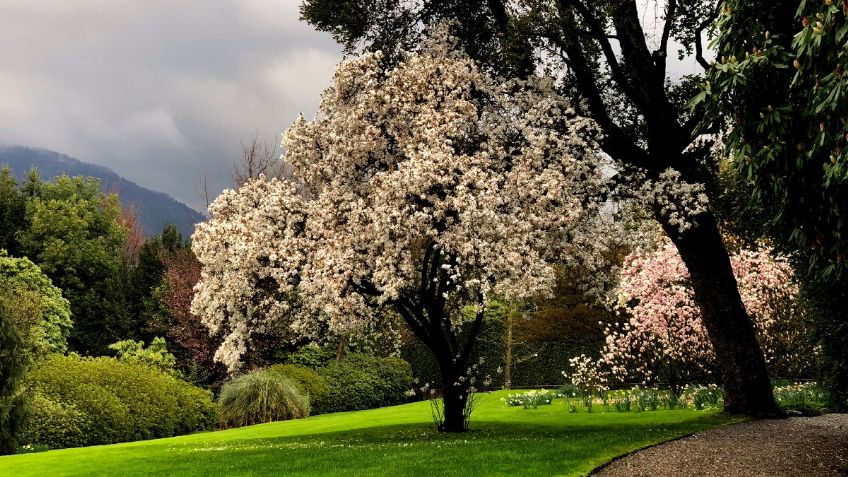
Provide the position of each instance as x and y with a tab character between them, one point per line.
90	401
308	382
56	424
361	381
261	396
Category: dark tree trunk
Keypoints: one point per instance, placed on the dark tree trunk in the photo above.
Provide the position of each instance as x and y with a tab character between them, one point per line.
740	359
425	312
454	400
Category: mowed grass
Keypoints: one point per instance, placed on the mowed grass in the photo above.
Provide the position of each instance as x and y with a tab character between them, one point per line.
398	440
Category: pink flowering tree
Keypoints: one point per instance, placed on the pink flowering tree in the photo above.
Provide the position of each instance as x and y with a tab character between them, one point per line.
421	187
664	337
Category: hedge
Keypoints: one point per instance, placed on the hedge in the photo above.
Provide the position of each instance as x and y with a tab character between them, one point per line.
361	381
83	401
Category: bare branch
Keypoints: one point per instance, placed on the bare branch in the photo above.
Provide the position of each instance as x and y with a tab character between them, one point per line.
202	189
258	158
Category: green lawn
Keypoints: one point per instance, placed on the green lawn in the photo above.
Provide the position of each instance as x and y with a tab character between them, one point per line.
396	440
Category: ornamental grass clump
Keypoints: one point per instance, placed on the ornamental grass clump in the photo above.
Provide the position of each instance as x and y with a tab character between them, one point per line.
258	397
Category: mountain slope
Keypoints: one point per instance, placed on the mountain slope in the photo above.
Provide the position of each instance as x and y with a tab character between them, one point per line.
155	209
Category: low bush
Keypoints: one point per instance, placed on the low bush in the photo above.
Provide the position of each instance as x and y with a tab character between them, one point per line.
88	401
361	381
308	382
55	424
261	396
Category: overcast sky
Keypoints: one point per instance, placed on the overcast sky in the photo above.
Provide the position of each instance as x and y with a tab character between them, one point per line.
163	92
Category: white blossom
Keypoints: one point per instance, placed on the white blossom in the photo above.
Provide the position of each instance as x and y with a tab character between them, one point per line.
430	157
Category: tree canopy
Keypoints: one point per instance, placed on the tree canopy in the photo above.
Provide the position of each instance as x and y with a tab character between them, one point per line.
50	334
422	186
614	68
75	236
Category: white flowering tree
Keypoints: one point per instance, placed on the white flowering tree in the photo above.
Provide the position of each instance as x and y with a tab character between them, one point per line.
424	187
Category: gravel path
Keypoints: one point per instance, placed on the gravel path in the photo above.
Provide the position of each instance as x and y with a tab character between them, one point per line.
798	446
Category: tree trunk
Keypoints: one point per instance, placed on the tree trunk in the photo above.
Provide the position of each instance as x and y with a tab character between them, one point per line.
508	364
740	359
454	400
341	349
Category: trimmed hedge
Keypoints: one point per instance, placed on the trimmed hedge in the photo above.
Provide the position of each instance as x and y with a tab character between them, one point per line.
89	401
361	381
308	382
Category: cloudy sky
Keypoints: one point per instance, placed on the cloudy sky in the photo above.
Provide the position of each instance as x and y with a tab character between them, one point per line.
162	92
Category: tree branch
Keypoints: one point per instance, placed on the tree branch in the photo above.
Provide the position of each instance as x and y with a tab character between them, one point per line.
599	34
699	47
661	55
405	309
428	252
499	12
472	338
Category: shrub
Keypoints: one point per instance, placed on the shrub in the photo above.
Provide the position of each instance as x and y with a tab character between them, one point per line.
261	396
90	401
56	424
309	382
155	355
312	356
361	381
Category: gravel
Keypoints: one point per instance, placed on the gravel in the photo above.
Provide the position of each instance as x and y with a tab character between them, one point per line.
797	446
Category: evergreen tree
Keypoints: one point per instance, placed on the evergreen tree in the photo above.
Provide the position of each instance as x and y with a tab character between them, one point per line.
19	313
12	211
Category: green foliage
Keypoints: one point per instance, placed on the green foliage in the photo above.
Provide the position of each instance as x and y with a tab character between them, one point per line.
51	333
309	382
779	87
804	398
780	79
155	355
56	424
103	401
703	397
390	26
312	356
361	381
14	360
74	235
261	396
146	280
12	210
828	300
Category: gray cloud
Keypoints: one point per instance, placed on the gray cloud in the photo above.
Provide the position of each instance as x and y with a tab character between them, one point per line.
162	92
